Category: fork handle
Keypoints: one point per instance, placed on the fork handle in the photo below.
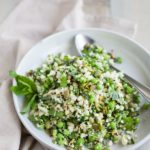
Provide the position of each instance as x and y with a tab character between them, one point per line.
142	89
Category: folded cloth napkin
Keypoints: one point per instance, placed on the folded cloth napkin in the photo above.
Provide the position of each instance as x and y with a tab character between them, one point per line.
31	21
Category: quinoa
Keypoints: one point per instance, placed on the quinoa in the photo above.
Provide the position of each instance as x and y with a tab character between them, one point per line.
83	102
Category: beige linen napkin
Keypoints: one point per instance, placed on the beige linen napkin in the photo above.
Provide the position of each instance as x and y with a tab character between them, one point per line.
31	21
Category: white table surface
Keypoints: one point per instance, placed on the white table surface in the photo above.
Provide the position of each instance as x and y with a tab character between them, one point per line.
135	10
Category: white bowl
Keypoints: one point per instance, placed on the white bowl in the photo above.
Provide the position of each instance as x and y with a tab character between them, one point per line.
136	62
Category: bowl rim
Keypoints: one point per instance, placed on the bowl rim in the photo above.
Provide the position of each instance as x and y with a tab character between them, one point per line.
141	142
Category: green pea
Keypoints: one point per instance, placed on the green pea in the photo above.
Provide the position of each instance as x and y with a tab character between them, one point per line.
66	132
94	81
129	123
99	87
115	139
60	136
40	126
125	85
91	98
92	137
129	90
80	141
99	50
106	56
137	100
61	141
82	80
137	120
60	124
108	84
107	136
54	133
112	86
66	58
111	105
98	147
85	51
47	125
112	125
106	67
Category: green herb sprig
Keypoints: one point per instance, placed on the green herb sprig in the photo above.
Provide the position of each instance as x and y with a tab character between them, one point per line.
24	87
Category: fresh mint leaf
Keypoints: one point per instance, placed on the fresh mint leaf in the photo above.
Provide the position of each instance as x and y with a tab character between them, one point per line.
29	104
23	80
20	91
25	87
24	84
